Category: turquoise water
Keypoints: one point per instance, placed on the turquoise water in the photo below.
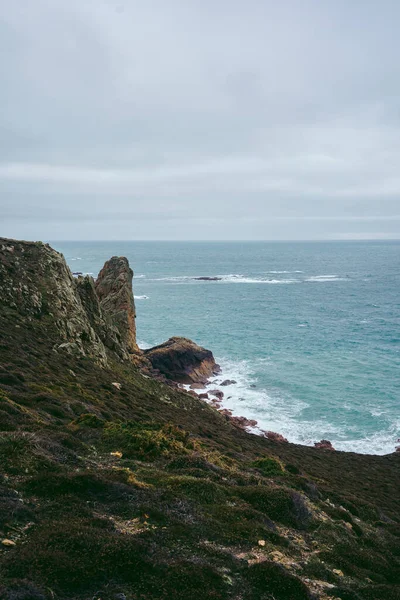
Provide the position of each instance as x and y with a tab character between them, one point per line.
314	326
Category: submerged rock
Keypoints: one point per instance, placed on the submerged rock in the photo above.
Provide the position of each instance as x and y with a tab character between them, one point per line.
183	361
208	278
228	382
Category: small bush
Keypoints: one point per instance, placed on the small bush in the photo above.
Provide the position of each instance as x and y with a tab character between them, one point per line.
269	580
146	441
20	453
77	555
278	503
86	485
269	466
200	490
89	420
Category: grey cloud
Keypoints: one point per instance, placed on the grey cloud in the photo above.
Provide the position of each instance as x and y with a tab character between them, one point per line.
199	114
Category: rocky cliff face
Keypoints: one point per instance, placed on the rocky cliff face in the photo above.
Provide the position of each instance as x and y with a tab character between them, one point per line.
88	318
114	290
36	283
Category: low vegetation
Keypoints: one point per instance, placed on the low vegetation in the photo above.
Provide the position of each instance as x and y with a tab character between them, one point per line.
144	492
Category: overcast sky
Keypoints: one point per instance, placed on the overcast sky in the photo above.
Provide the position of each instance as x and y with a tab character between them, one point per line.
199	119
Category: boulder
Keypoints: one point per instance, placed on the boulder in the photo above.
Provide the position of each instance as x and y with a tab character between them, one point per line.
183	361
114	291
228	382
324	445
243	422
275	437
217	393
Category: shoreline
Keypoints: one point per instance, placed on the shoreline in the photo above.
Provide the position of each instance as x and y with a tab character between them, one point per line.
250	421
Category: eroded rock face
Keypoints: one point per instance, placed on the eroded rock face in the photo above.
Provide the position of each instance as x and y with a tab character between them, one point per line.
114	291
36	282
107	332
183	361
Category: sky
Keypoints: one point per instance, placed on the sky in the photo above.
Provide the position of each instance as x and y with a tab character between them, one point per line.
199	120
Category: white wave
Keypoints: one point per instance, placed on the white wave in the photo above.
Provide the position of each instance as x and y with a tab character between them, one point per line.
274	411
323	278
220	279
143	345
242	279
278	272
76	258
139	276
141	297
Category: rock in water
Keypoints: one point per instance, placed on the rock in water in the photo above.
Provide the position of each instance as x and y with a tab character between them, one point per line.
114	291
183	361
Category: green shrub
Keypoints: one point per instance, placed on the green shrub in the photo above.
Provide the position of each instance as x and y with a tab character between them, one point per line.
269	466
146	441
87	420
20	453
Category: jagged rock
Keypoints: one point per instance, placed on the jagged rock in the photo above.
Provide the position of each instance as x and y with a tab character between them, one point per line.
114	291
103	326
197	386
36	283
243	422
275	437
228	382
324	445
181	360
217	393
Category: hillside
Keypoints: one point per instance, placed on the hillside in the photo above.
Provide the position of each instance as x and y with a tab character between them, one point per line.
117	485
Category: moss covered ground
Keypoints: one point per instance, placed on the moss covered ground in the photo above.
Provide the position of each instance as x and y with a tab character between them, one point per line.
145	492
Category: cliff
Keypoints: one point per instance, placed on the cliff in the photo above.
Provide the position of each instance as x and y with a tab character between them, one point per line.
114	485
114	291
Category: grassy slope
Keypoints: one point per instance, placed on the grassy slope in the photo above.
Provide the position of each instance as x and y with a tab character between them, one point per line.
148	492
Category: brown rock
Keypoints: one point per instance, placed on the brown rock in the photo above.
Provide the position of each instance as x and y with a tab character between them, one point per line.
217	393
203	396
275	437
243	422
114	291
324	445
182	360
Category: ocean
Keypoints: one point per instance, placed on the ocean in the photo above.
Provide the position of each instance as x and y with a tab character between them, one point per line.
310	331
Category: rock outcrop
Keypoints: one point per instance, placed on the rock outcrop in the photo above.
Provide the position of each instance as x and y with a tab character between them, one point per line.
183	361
36	283
103	326
114	291
87	318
